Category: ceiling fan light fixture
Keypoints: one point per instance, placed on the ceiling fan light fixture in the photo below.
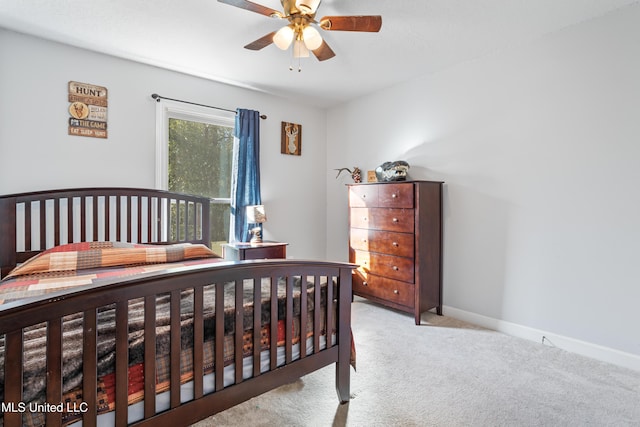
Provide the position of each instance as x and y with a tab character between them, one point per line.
300	50
308	6
312	38
283	37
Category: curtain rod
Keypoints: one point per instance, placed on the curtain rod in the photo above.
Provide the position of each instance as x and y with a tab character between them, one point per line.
158	98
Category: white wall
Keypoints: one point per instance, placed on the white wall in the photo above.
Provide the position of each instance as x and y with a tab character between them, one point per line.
539	148
36	152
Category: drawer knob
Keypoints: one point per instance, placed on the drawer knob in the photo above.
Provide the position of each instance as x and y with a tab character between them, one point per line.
394	195
364	218
395	220
365	283
364	240
395	244
395	268
395	291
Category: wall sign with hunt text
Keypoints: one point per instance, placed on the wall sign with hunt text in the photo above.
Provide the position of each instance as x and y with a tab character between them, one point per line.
87	110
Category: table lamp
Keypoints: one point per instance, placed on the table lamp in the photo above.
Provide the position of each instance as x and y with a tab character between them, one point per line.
256	215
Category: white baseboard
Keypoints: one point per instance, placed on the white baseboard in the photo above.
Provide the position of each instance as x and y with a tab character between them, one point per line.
594	351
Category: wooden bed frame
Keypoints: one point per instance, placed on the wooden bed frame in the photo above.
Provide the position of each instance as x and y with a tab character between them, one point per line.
33	222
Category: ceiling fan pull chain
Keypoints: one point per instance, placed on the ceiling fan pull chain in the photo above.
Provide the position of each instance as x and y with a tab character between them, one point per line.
293	59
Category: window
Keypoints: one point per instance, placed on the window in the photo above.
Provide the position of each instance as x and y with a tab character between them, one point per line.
194	156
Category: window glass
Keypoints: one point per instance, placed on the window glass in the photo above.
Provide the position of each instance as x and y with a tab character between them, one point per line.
198	157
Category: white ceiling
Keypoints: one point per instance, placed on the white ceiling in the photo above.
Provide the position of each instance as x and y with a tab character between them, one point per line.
206	38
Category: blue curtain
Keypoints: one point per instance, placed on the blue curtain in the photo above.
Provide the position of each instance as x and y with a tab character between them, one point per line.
245	179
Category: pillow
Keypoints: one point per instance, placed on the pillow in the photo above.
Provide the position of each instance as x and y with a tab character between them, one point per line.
80	256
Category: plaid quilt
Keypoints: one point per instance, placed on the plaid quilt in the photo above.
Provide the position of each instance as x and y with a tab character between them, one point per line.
87	255
77	264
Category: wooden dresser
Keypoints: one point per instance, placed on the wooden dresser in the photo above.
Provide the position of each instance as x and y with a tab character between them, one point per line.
396	239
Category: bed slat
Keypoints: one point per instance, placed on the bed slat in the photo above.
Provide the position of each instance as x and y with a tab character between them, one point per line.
107	218
118	235
175	348
70	220
89	367
83	219
27	228
330	302
274	323
185	220
257	325
43	224
149	355
304	313
129	207
56	222
195	220
149	222
317	325
94	216
54	369
198	339
139	224
219	337
289	321
239	330
160	218
122	357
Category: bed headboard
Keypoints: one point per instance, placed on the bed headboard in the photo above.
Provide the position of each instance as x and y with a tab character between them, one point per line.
33	222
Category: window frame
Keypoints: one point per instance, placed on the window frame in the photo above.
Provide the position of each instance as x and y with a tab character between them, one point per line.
167	109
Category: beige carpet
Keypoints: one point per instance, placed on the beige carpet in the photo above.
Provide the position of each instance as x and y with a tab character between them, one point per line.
448	373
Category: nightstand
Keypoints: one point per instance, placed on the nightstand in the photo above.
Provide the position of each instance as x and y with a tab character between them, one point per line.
240	251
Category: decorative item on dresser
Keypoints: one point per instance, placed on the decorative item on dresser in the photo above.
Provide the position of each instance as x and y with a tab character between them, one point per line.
396	239
356	174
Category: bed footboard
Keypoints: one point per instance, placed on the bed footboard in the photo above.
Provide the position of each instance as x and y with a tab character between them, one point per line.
297	320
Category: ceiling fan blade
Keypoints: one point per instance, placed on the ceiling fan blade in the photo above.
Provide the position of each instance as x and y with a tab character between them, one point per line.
324	52
254	7
262	42
369	23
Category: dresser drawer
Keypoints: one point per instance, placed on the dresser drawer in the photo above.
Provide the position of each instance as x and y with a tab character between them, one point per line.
401	220
394	267
363	195
387	242
386	289
395	196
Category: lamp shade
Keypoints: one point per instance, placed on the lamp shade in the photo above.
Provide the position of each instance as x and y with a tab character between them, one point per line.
256	214
312	38
283	37
300	50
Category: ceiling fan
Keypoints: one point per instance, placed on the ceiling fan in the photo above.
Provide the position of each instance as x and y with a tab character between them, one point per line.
301	31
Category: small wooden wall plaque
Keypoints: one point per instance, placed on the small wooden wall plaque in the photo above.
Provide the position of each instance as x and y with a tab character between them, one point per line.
291	139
